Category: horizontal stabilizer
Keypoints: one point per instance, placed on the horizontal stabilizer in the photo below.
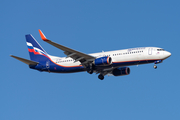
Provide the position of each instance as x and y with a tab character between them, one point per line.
29	62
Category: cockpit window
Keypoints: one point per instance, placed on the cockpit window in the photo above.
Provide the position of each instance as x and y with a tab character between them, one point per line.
160	50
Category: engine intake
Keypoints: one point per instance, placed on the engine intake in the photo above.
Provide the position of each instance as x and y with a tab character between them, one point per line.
103	61
121	71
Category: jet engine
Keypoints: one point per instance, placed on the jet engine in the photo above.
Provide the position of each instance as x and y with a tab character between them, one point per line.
121	71
103	61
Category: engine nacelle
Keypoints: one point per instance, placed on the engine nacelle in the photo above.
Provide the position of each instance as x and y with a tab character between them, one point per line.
121	71
103	61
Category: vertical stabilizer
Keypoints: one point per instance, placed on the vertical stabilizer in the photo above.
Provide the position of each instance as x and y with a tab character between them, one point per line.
36	52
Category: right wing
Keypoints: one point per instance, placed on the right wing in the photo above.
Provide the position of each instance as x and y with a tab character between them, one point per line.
85	59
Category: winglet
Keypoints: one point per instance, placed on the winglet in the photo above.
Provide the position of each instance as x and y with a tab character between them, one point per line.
43	37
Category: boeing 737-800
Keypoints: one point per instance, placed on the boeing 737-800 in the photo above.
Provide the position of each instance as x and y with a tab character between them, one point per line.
113	62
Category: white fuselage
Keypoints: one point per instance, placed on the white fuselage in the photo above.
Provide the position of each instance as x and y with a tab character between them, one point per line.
121	56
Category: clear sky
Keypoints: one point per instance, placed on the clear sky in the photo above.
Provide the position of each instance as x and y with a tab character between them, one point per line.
90	26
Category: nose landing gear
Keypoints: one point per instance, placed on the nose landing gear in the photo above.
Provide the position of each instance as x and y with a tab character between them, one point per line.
155	67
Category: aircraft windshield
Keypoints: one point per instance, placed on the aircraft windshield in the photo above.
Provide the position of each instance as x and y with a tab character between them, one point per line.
160	50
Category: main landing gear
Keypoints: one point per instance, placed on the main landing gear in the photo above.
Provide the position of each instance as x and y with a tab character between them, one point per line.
90	69
100	76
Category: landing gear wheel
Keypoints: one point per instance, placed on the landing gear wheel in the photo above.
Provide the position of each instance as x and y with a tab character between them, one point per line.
90	71
155	67
90	68
101	77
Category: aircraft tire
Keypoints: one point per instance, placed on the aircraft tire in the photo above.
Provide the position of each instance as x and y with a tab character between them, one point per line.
155	67
101	77
90	71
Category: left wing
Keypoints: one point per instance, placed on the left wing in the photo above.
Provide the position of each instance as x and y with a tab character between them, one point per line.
85	59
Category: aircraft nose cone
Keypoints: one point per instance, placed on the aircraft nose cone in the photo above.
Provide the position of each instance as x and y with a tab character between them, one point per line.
168	54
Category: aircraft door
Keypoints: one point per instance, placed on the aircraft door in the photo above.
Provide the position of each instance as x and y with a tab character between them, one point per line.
48	65
150	51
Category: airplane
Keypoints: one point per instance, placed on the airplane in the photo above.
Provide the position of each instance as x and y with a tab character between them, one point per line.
103	63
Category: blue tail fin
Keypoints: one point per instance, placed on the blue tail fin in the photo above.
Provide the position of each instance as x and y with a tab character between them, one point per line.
36	52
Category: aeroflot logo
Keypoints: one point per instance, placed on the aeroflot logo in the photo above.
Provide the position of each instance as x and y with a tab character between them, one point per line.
30	46
142	48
